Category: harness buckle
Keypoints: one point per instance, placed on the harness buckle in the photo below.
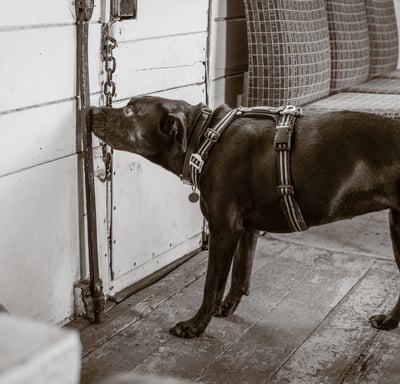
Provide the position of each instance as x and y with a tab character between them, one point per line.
196	162
283	133
292	110
212	135
285	190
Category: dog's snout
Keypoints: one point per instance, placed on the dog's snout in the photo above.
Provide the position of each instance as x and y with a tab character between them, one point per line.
97	119
95	112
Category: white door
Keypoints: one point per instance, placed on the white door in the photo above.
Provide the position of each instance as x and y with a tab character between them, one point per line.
162	52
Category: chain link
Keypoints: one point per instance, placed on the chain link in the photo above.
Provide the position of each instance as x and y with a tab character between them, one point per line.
110	64
109	89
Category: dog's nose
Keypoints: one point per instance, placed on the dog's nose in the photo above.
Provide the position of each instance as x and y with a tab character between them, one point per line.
94	111
96	119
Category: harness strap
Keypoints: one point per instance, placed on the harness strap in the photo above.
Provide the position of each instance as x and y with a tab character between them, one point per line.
282	143
200	125
285	118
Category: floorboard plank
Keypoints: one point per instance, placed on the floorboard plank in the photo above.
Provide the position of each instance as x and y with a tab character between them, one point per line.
139	305
332	350
142	325
261	351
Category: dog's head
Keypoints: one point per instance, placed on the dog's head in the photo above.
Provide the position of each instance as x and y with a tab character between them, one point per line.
146	125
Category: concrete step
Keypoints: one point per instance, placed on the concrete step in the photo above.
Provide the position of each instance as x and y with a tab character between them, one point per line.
36	353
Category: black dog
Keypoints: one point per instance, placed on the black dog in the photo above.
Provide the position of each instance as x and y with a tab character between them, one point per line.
343	164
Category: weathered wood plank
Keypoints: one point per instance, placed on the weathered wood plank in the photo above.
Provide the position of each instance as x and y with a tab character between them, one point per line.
151	331
336	345
228	48
40	13
145	195
193	94
165	18
142	303
36	135
221	332
162	52
39	237
264	348
379	363
226	90
151	81
196	354
42	70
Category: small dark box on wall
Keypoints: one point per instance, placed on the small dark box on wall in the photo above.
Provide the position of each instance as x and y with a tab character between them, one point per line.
123	9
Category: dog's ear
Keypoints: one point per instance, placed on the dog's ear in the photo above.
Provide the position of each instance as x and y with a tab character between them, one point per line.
174	124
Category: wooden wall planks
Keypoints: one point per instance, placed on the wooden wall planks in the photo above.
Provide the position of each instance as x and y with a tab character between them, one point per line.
39	239
153	223
228	51
38	13
162	52
157	18
42	70
36	135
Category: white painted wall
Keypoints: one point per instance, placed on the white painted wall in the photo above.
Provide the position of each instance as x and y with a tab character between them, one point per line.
42	239
39	228
228	51
153	222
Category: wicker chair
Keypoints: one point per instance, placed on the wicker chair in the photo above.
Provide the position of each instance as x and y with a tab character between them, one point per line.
324	54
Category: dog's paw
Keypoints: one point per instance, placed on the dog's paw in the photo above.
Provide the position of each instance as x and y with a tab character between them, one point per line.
187	330
385	322
228	306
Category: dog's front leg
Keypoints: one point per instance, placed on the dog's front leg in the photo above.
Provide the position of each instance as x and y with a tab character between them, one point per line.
241	272
223	242
391	320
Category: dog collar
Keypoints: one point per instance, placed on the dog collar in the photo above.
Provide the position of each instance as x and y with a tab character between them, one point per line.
200	126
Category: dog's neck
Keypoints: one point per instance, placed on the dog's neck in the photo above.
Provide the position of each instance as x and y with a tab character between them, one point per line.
173	158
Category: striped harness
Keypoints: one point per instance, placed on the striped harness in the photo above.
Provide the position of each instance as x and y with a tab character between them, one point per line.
285	119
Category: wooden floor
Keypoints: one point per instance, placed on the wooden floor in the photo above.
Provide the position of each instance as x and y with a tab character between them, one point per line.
305	321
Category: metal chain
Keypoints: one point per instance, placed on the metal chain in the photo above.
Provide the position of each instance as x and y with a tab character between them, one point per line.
110	64
109	88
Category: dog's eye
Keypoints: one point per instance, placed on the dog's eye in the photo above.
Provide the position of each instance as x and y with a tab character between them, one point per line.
129	111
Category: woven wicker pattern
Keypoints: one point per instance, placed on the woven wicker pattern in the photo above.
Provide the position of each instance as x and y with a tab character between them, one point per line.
384	105
383	38
378	85
289	58
349	37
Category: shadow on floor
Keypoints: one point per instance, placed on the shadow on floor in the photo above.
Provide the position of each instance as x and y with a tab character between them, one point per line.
305	321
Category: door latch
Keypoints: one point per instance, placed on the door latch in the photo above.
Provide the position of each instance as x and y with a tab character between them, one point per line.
123	9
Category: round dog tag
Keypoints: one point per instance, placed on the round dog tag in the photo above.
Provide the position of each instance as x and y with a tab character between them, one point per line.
194	197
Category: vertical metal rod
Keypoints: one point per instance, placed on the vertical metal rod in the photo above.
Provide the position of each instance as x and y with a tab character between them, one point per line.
84	9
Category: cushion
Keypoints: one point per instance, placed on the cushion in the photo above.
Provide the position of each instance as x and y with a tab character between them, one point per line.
384	105
348	30
391	75
383	37
289	58
378	85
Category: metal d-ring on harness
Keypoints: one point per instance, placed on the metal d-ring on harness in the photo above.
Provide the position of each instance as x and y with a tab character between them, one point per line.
285	119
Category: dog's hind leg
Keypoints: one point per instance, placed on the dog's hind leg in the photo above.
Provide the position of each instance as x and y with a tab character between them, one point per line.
241	272
391	320
223	241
